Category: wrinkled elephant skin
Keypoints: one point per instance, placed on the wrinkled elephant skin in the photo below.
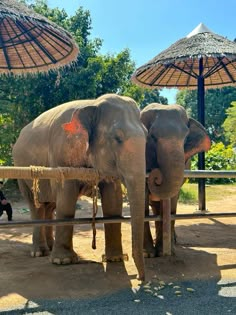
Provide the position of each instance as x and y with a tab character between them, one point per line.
173	138
105	134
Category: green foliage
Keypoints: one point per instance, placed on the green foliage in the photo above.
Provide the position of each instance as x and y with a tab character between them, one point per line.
6	138
219	157
229	124
133	91
188	194
216	102
152	96
143	96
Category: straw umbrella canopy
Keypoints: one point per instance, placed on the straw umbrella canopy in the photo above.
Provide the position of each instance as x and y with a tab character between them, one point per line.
30	42
178	66
201	60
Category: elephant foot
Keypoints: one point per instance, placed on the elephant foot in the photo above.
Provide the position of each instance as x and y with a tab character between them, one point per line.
40	251
175	238
50	243
115	258
158	251
149	253
63	257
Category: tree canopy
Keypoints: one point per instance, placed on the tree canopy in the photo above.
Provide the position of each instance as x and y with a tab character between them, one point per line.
217	101
229	124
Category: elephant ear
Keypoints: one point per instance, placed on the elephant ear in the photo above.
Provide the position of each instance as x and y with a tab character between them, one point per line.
197	139
81	126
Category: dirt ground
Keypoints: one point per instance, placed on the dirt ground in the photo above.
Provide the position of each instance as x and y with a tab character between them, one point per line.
206	249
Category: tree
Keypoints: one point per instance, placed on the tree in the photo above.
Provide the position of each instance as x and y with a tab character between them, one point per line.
229	124
153	96
219	157
216	102
143	96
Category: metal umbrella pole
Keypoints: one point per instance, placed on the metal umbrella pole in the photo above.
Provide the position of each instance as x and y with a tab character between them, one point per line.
201	118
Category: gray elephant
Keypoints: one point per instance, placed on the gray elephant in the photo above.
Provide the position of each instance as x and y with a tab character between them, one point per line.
105	134
172	139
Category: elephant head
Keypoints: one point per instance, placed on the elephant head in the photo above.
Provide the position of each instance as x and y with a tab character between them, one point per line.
111	139
172	139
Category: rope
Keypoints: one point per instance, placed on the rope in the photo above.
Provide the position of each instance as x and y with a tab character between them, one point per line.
35	171
95	210
38	170
62	177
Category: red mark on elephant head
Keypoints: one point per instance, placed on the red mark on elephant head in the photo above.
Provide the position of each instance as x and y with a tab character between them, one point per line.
77	142
74	127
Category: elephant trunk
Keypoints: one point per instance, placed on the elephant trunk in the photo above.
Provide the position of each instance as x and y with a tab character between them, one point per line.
134	178
154	180
166	181
137	207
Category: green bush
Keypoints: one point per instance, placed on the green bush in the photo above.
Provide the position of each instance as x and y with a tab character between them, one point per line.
188	194
219	158
7	138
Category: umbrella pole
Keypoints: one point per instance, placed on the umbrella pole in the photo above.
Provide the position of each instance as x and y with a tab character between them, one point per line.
201	118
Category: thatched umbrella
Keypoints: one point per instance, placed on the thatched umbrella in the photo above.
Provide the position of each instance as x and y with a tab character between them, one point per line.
201	60
179	65
31	43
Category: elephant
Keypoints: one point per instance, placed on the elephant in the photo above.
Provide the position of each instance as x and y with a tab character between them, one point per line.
105	134
173	138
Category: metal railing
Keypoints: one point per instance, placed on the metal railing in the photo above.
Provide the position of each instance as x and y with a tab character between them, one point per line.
72	173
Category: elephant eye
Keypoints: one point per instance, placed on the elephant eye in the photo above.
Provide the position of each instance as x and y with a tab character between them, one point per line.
119	136
118	139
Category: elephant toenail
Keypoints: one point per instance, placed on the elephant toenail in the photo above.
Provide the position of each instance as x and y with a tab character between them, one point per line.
56	261
66	261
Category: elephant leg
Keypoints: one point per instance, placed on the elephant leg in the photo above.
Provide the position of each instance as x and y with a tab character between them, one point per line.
148	248
40	246
111	198
49	215
62	252
174	202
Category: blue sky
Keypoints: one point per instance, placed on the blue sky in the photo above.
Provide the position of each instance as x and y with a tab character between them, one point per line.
147	27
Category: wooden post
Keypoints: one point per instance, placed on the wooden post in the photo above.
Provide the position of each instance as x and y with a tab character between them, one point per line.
166	226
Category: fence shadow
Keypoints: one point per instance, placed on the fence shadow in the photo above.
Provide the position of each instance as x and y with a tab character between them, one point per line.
214	234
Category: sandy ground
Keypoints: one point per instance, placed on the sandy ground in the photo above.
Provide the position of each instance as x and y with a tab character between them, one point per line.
206	249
